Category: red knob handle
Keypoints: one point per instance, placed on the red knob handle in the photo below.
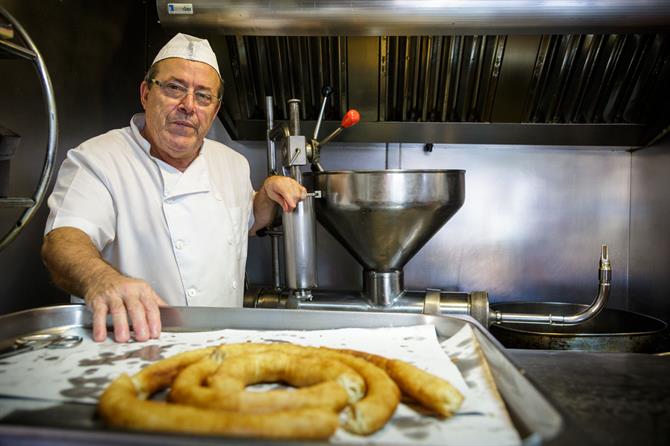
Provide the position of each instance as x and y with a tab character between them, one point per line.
350	118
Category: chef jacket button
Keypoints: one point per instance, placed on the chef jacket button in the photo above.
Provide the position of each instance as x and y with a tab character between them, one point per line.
179	244
191	292
234	284
230	241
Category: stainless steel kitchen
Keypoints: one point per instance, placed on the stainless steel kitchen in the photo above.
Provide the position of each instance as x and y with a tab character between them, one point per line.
396	222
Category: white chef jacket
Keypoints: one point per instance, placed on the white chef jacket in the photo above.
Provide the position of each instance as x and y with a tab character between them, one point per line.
185	233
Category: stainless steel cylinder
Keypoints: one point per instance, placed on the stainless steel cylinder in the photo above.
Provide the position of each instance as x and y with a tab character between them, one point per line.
382	287
294	116
300	246
294	130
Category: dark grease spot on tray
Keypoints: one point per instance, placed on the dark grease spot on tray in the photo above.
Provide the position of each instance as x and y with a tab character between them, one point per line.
416	434
85	387
413	427
470	414
147	353
410	422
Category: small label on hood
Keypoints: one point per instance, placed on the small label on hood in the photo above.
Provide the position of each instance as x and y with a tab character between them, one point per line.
180	8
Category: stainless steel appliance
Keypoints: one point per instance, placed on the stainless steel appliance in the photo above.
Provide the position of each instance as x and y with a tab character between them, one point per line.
383	218
540	73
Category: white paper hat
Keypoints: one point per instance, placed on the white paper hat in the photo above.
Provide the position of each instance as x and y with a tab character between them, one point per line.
189	48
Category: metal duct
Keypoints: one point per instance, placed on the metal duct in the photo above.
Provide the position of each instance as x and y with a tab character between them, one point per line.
415	82
558	89
414	17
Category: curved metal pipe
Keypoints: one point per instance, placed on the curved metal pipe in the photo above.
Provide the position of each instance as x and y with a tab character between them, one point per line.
604	280
52	118
408	17
433	301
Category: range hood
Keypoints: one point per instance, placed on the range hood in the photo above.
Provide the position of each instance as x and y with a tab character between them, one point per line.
552	72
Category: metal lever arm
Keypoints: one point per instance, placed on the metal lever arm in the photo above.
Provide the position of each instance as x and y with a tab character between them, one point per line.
351	118
326	91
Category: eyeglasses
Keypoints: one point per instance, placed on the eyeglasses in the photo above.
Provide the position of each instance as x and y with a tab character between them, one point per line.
175	90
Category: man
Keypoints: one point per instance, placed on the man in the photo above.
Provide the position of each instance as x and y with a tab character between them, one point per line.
155	214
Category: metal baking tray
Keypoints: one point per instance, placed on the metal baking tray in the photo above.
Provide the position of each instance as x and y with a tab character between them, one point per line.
32	422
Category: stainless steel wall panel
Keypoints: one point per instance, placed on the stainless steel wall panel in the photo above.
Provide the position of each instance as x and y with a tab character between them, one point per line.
532	223
650	231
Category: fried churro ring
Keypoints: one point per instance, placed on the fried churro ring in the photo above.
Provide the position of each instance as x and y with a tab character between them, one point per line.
121	407
365	416
321	383
430	391
159	375
323	375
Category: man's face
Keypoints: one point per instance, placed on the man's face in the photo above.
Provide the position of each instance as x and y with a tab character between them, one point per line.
176	127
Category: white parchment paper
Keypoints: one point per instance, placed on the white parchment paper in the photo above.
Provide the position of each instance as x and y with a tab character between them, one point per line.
81	373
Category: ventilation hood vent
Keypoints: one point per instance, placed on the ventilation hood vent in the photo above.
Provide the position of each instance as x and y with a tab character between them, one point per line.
559	85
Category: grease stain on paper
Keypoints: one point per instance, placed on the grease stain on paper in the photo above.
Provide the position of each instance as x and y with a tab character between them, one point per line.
85	387
413	427
149	353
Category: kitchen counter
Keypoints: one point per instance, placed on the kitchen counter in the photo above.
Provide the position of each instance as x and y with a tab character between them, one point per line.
615	398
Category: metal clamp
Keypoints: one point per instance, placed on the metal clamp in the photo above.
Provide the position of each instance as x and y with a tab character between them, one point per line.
431	304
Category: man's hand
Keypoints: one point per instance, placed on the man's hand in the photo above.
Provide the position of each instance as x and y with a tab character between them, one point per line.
77	267
123	297
285	191
276	189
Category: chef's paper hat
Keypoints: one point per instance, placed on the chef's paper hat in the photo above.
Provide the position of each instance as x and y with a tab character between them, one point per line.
189	48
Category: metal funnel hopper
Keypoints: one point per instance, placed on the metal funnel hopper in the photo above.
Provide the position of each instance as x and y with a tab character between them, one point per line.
385	217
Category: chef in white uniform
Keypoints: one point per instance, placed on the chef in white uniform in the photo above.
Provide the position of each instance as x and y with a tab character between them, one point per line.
155	214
